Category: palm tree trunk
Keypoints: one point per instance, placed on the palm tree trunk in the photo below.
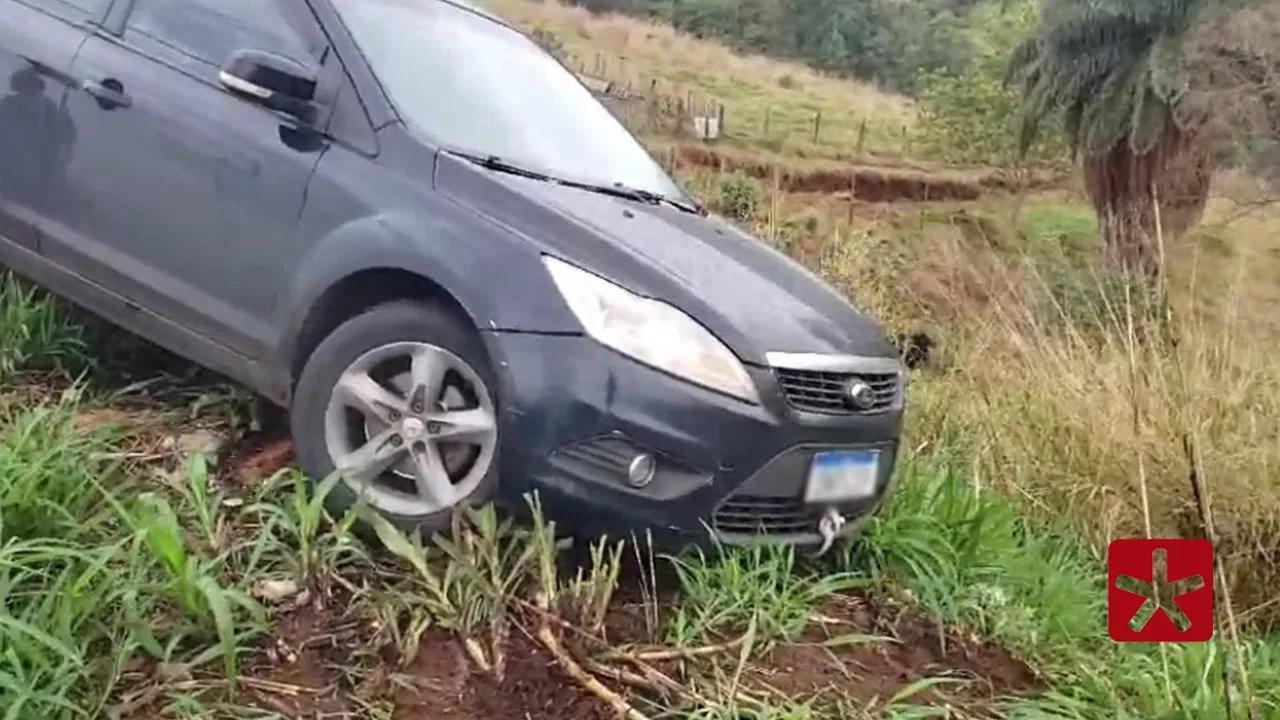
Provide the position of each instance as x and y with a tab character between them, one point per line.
1123	186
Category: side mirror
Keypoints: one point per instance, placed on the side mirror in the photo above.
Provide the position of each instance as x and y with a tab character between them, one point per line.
275	81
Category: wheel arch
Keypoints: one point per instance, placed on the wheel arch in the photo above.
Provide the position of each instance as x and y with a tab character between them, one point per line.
493	279
356	293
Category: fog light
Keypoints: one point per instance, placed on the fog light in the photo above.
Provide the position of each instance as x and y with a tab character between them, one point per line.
641	470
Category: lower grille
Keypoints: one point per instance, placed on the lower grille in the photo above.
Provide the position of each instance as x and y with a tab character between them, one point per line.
752	514
827	392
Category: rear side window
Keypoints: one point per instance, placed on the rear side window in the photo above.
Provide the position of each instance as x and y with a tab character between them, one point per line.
210	30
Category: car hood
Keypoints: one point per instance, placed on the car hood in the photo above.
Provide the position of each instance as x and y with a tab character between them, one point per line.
753	297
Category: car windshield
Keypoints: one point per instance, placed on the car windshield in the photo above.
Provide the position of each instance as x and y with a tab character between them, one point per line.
476	85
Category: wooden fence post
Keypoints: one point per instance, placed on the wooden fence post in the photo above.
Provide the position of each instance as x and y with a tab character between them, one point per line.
817	125
853	194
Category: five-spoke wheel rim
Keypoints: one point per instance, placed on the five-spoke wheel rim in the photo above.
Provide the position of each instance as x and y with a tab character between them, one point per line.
411	427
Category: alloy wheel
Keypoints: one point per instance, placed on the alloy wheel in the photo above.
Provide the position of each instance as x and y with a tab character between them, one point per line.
411	427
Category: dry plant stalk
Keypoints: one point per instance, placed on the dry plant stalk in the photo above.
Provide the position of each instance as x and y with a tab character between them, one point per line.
545	601
1201	494
668	654
588	681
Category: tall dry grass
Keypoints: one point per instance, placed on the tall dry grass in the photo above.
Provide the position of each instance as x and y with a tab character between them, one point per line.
1102	404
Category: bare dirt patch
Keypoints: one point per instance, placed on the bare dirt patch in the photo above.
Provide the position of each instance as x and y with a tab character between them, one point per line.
306	669
861	183
840	656
532	686
255	458
295	672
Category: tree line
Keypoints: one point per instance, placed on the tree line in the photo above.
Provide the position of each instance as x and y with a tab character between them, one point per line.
891	42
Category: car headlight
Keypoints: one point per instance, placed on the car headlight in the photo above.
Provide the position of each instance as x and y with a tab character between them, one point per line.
651	331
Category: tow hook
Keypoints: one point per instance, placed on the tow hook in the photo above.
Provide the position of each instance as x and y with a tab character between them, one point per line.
829	528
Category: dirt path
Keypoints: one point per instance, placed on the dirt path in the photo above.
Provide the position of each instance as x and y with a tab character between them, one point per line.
867	183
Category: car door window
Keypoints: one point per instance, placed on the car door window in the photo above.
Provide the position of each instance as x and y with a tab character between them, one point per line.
73	10
208	31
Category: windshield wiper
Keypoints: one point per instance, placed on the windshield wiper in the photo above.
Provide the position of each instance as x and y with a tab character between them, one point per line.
638	194
493	162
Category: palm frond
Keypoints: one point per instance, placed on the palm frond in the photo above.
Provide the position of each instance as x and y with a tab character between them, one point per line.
1151	119
1110	69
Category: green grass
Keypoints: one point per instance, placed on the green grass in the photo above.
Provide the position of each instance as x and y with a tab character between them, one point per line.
166	575
36	331
50	470
973	559
1063	221
98	571
759	587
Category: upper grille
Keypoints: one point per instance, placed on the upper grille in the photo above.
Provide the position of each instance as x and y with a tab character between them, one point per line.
751	514
826	392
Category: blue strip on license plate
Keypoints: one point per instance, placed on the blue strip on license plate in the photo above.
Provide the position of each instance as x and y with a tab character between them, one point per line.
842	475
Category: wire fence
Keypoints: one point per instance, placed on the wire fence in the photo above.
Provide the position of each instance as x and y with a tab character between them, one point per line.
650	105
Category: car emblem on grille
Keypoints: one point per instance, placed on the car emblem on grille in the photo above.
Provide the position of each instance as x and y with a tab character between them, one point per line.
859	395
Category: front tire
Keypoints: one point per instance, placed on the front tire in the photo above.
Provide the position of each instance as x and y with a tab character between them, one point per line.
400	400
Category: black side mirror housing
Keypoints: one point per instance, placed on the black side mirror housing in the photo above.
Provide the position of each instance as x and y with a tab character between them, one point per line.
275	81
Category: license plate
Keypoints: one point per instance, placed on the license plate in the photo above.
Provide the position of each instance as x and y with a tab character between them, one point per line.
843	475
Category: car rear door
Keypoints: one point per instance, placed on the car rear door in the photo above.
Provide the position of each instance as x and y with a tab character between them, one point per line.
38	39
185	198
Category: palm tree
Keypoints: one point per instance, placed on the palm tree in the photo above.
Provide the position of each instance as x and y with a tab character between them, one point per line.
1113	71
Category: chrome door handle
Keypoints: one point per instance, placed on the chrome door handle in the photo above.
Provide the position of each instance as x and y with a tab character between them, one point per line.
109	93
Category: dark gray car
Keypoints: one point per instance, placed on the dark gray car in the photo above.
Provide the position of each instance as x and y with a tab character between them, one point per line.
407	223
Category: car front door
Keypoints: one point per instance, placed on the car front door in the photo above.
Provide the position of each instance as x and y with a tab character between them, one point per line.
183	197
38	39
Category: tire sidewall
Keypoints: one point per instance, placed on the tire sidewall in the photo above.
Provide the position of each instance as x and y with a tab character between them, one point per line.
401	321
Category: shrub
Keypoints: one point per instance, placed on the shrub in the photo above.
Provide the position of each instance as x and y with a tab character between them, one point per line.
738	196
972	116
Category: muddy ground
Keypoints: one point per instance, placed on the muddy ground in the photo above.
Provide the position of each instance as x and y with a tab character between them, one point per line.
300	672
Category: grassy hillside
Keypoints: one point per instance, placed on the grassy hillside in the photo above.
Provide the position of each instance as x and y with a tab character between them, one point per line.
769	104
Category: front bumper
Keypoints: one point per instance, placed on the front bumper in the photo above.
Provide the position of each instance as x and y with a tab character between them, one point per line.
574	413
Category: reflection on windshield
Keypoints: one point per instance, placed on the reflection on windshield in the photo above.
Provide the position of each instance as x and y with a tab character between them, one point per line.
472	83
